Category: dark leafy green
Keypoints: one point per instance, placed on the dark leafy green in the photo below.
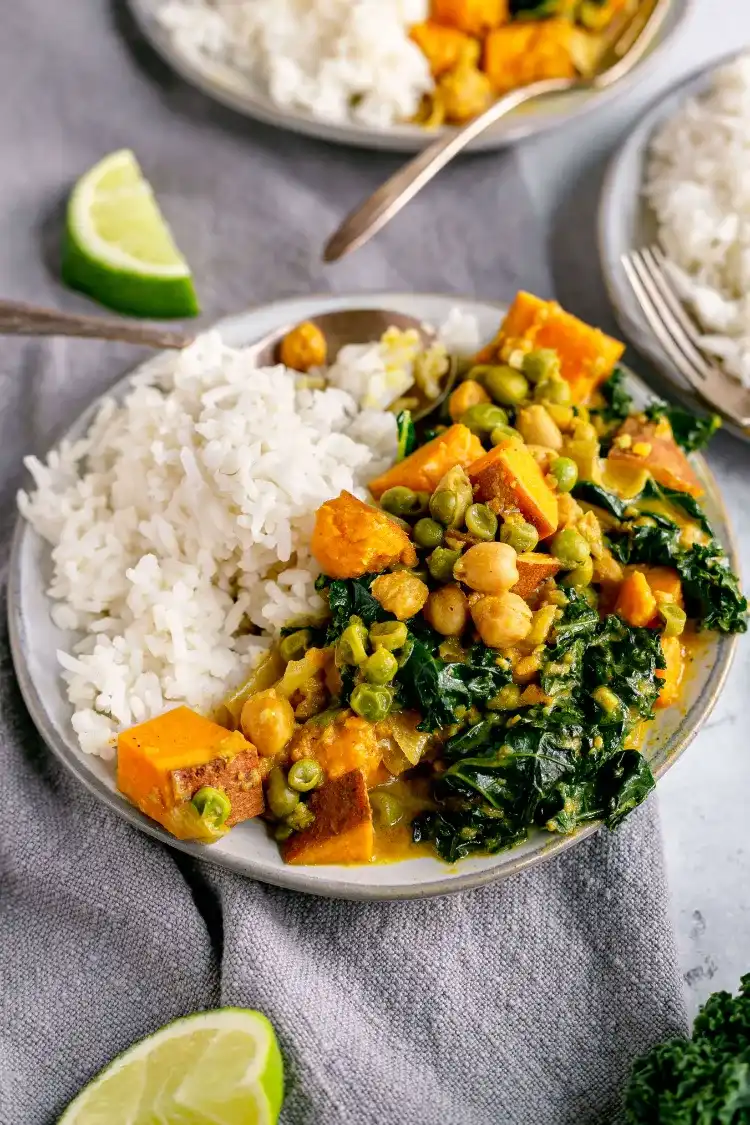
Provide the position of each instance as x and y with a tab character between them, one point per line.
556	765
348	596
407	435
596	494
691	431
443	691
618	403
684	500
702	1080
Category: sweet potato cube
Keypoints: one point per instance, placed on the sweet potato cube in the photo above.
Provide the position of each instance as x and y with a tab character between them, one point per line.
636	603
342	831
351	539
652	445
533	569
348	743
443	47
587	356
475	17
509	479
524	52
666	580
162	763
671	676
423	469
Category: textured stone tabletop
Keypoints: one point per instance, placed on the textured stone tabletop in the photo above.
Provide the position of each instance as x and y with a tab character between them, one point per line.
704	797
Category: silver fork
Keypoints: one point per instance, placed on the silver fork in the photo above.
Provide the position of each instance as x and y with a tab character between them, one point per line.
647	272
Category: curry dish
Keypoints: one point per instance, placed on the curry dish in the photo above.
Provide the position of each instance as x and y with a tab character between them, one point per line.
503	620
481	49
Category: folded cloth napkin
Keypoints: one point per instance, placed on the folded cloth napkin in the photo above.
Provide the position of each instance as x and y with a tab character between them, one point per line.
522	1002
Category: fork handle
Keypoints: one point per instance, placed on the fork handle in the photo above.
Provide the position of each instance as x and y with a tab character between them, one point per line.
18	319
372	215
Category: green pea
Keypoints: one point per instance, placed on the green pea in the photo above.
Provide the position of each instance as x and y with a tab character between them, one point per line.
428	533
483	418
390	635
282	832
505	433
350	648
674	619
371	702
441	563
212	805
506	385
555	391
507	699
481	521
565	472
280	798
304	775
388	809
580	576
569	548
610	703
403	524
541	363
451	498
300	818
381	667
295	645
400	501
521	536
443	507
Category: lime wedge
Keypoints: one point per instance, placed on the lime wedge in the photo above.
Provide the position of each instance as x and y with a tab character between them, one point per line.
118	247
213	1068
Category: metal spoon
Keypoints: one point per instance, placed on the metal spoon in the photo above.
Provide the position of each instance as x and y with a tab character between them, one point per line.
17	319
628	39
357	326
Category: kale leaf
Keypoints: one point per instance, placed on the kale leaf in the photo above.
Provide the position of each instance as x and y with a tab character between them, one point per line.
596	494
618	403
691	431
443	691
558	764
346	597
407	436
702	1079
684	500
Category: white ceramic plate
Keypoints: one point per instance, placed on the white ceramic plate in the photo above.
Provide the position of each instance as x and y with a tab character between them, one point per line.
230	87
247	849
626	222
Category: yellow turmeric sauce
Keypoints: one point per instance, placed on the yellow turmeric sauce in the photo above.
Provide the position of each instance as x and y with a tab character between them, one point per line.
394	844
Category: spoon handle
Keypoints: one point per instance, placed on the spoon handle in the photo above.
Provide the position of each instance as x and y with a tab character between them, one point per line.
372	215
17	319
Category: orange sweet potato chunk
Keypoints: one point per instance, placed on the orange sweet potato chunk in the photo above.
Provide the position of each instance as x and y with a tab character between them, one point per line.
443	47
348	743
587	356
475	17
525	52
533	569
425	467
636	603
162	763
509	478
671	676
351	539
653	446
342	831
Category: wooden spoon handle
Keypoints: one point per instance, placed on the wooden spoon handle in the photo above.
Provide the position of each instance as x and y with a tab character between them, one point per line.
18	319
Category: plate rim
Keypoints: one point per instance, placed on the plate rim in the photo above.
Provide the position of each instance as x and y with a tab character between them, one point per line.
290	877
404	138
634	148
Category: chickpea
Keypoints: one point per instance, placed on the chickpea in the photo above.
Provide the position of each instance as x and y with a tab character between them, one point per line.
537	427
488	568
304	347
502	619
267	720
447	610
469	393
401	593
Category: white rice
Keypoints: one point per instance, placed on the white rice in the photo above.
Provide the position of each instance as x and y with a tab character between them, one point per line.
183	519
339	60
698	183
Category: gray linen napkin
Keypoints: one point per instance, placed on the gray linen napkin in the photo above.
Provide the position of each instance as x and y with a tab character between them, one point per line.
519	1003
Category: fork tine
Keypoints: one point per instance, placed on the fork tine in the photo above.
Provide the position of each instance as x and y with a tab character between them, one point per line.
689	332
658	317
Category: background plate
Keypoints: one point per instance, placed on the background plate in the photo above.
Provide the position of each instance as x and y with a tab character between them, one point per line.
626	222
248	849
233	89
